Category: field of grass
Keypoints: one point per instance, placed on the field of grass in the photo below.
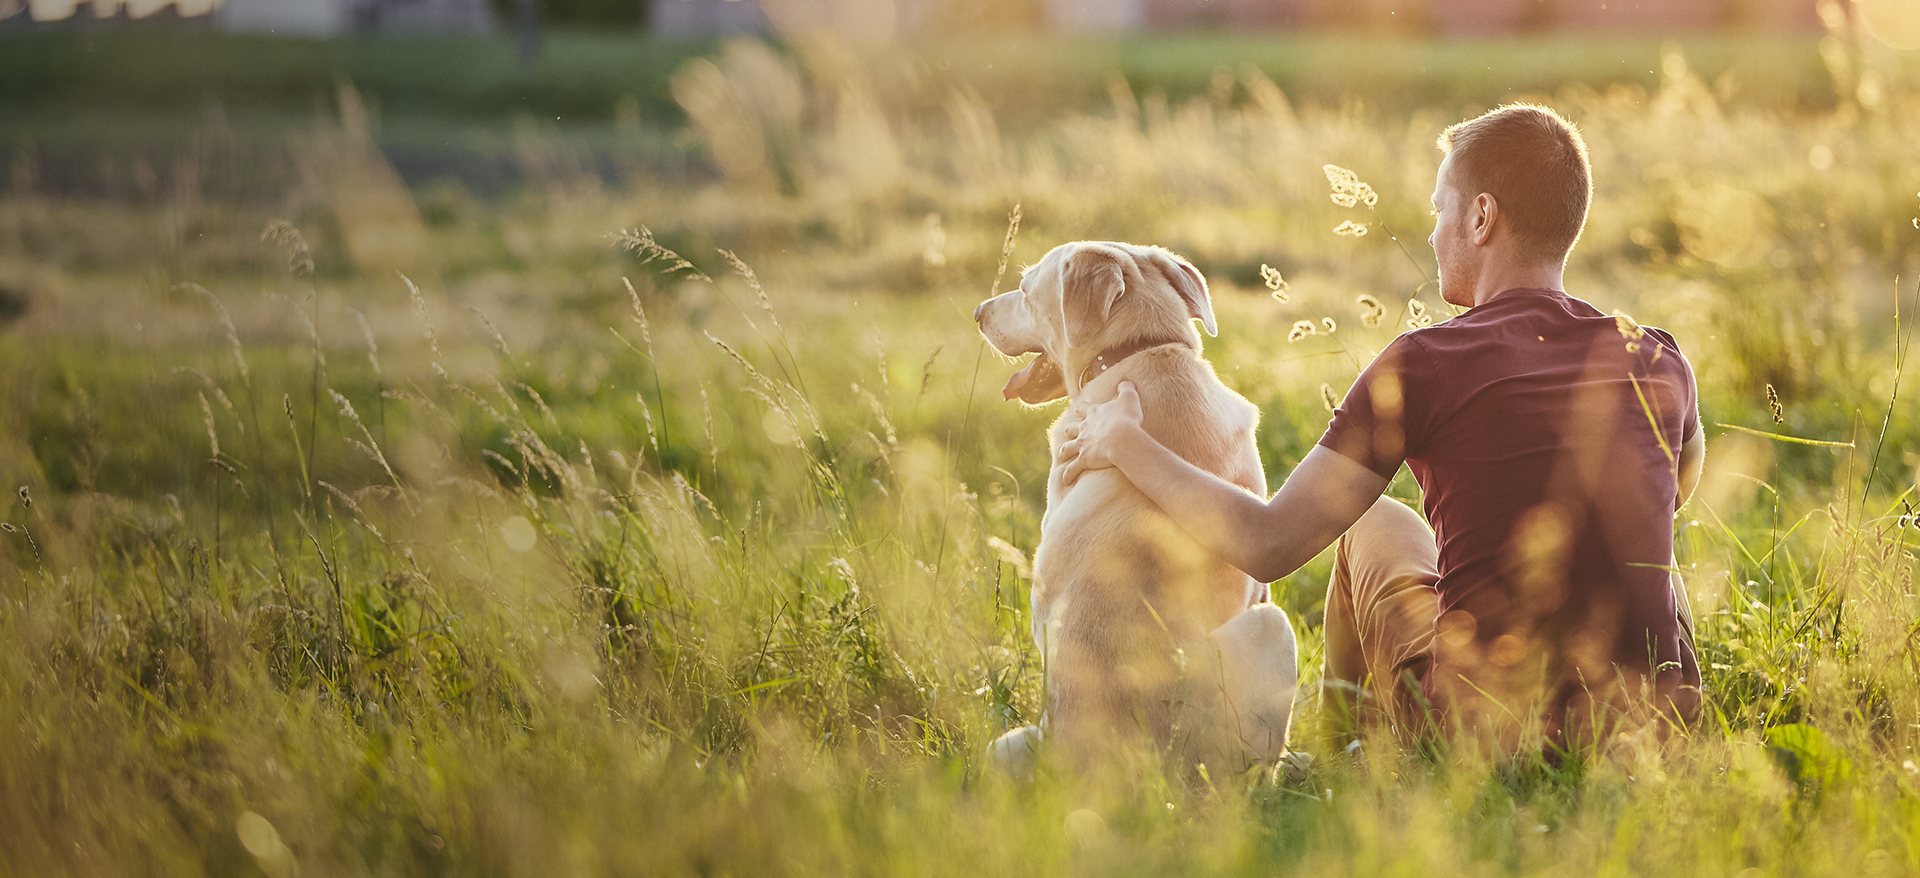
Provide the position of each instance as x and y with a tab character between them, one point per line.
657	514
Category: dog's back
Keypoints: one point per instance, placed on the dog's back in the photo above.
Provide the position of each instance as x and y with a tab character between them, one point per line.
1123	598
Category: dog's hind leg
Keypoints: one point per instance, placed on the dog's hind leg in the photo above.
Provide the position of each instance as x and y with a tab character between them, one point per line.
1258	676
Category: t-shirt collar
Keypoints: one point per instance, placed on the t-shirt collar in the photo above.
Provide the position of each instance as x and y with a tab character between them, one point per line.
1517	292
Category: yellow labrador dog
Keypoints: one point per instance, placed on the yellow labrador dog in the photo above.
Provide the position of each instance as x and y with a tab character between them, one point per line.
1148	637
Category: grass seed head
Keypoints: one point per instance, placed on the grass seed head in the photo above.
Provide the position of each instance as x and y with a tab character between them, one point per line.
1630	330
1351	229
1348	190
226	322
213	436
287	236
1417	315
706	411
1773	404
1276	284
1327	397
1371	311
1302	329
647	414
740	267
926	369
426	324
640	242
492	331
366	332
1006	249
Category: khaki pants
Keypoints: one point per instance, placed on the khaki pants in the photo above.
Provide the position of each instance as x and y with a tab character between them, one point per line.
1382	620
1381	607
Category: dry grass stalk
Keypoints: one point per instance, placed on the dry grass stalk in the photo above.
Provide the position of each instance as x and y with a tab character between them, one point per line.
926	369
641	243
706	412
359	515
226	322
740	267
539	402
426	324
647	414
492	332
371	447
213	435
1006	249
366	332
640	317
287	236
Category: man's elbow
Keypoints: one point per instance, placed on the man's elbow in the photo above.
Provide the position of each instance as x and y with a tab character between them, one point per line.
1266	569
1271	558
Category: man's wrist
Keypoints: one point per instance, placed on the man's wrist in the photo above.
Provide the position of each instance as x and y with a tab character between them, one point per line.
1130	445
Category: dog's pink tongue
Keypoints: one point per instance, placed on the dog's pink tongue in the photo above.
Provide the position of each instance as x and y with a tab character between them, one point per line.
1019	379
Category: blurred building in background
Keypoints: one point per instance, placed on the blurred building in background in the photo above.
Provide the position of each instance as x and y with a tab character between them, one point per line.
866	18
317	18
687	17
691	17
328	17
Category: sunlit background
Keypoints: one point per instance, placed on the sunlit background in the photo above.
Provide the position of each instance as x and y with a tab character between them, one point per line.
549	436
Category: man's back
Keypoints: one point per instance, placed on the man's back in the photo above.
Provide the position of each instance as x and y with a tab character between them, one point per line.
1530	424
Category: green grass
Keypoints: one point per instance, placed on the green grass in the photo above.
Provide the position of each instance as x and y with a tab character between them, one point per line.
724	576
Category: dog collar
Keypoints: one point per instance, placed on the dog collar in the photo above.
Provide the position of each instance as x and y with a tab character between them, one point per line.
1112	356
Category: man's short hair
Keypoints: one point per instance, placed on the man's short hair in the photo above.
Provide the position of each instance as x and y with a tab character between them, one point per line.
1534	164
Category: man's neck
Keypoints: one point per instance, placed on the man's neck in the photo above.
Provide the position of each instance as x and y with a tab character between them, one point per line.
1499	278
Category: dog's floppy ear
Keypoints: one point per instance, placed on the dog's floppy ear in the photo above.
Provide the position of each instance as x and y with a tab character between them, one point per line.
1189	284
1091	281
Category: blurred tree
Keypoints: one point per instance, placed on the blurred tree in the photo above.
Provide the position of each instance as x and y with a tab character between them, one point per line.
582	13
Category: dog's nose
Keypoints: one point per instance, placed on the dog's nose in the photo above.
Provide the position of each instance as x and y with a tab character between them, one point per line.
979	310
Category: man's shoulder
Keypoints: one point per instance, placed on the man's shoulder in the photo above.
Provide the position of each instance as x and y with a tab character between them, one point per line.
1663	337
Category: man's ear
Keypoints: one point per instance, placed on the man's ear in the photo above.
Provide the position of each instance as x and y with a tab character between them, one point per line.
1485	211
1186	281
1091	281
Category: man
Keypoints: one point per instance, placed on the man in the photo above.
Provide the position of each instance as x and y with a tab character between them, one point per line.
1553	445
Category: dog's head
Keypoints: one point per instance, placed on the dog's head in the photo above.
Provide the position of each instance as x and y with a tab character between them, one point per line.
1085	297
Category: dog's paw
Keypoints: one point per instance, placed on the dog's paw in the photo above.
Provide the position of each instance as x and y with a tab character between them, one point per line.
1018	752
1294	769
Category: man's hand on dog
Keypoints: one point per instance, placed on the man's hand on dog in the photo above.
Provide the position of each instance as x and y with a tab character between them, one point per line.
1092	429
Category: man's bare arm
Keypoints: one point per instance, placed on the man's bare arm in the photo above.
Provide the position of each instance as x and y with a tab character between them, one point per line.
1265	538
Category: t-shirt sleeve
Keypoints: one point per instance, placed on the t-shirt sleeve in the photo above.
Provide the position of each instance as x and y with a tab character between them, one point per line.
1381	422
1690	414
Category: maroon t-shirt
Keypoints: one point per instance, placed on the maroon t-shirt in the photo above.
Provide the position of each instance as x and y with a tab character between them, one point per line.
1530	424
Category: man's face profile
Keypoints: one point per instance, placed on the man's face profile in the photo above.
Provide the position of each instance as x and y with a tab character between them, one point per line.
1452	238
